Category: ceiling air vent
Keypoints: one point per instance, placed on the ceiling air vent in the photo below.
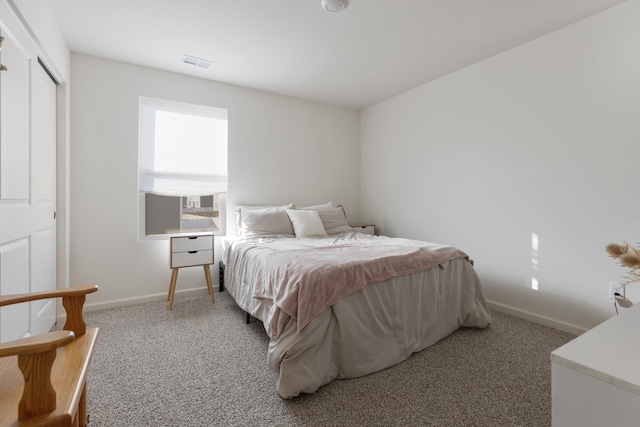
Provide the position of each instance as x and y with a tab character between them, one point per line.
199	62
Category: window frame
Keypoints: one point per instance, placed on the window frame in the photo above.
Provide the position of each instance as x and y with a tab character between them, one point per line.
146	145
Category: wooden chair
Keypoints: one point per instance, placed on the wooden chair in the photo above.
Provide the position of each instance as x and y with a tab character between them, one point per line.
43	378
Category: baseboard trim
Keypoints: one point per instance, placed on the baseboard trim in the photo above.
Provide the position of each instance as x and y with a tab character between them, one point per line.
104	305
536	318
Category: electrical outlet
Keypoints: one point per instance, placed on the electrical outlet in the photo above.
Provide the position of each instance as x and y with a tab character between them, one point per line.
615	288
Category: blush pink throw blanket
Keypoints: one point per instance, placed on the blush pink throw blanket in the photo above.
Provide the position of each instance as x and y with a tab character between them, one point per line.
302	283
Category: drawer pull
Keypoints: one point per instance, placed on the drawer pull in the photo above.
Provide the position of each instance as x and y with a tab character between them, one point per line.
192	238
193	252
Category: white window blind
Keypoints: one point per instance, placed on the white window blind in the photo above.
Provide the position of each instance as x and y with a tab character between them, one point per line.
182	148
182	166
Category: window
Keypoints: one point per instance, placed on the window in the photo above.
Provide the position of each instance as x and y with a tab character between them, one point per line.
182	166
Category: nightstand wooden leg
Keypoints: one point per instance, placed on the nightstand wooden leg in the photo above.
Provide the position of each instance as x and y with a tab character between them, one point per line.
172	287
207	275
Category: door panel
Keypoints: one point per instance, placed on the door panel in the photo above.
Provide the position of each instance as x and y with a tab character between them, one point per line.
43	312
14	273
14	122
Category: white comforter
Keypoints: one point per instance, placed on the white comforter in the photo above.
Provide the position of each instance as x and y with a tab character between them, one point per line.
366	331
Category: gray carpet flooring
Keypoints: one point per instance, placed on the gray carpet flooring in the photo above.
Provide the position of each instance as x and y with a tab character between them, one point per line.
201	365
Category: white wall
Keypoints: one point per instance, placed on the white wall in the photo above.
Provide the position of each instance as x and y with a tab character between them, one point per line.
545	139
280	150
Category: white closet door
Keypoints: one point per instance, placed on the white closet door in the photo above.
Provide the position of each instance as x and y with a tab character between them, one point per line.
27	182
43	136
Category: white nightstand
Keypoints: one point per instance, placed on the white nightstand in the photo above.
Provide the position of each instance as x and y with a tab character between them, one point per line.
364	227
190	250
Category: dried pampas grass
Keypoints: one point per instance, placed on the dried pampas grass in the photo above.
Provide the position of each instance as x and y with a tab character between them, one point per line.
628	256
615	250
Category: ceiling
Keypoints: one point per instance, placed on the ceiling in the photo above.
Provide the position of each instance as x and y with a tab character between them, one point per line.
371	51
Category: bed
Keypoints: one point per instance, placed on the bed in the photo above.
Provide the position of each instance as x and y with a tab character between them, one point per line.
337	303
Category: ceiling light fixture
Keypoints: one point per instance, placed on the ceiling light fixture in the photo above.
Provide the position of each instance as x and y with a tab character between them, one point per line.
334	5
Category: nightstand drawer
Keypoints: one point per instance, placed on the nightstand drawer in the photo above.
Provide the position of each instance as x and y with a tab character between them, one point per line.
193	243
187	259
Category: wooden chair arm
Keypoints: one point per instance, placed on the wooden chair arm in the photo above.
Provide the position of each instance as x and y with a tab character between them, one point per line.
73	299
58	293
36	344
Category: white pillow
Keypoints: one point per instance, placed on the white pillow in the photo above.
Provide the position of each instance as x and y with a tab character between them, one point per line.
306	223
327	205
334	220
244	208
267	222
